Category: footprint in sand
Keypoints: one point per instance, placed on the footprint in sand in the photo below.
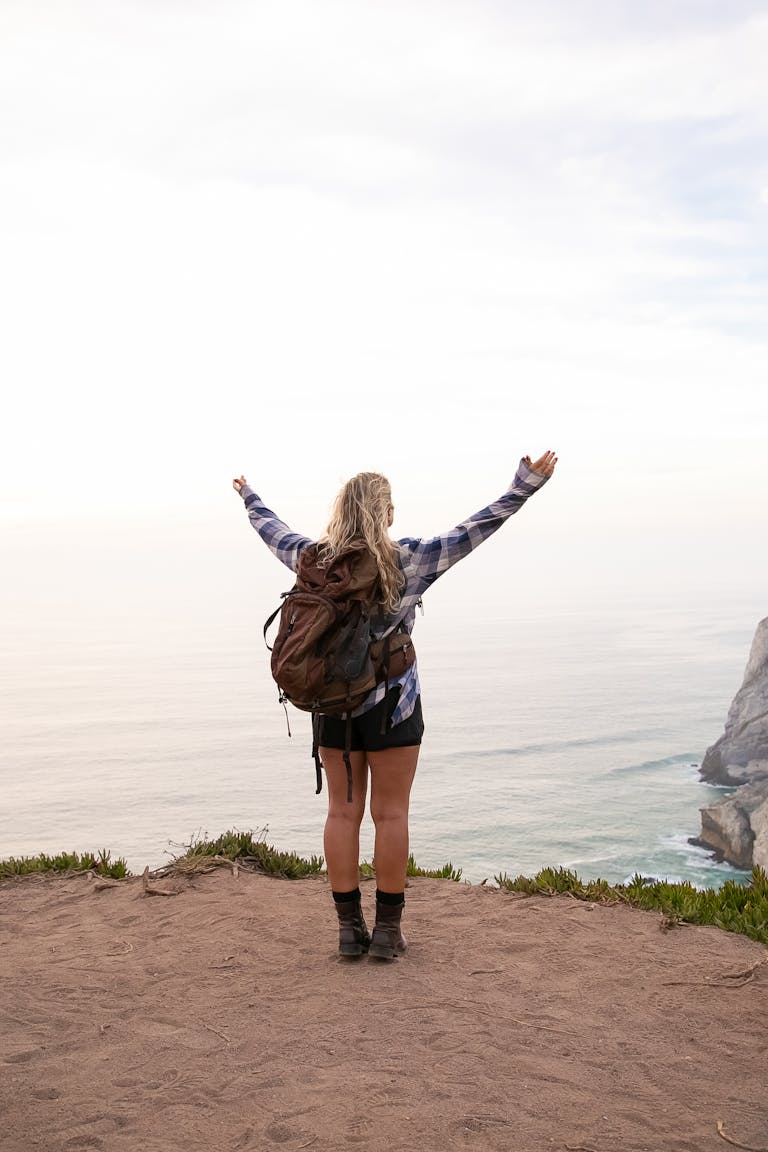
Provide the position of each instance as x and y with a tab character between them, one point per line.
281	1133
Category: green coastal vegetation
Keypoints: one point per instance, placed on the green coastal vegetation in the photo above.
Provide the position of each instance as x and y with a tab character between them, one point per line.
735	907
101	863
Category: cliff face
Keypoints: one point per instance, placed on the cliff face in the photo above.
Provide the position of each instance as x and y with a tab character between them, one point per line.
737	825
741	753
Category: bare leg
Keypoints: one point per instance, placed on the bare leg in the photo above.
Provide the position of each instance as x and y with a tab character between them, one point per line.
392	772
342	827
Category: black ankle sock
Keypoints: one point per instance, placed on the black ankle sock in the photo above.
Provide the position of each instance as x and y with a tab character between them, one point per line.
346	897
393	898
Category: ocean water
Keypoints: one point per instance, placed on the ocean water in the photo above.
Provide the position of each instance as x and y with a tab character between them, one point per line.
559	731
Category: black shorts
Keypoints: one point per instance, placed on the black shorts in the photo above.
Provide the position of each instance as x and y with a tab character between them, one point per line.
366	729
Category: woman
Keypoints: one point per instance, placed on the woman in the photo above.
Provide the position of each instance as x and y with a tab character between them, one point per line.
387	727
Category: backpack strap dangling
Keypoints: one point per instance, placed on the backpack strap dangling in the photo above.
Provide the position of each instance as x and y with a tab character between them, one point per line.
346	755
385	665
268	624
347	750
316	751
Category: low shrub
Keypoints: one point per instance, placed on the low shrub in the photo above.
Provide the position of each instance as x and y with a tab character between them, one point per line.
251	848
741	908
99	862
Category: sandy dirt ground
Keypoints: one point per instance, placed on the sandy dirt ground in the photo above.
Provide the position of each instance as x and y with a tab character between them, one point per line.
221	1017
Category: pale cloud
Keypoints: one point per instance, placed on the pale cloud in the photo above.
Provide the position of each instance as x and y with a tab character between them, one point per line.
432	235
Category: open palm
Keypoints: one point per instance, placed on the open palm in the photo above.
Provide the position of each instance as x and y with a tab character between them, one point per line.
545	465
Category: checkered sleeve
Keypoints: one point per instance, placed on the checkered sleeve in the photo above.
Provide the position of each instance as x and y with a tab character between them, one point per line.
277	536
428	559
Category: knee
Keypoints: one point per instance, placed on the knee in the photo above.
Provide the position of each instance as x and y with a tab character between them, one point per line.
346	814
387	813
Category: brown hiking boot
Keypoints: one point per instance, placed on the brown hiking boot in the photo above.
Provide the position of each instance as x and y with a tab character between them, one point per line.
354	937
387	941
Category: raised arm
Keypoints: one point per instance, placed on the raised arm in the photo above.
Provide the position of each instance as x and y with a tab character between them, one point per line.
277	536
425	560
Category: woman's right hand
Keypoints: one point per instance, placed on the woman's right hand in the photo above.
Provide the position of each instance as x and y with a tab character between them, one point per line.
239	482
544	466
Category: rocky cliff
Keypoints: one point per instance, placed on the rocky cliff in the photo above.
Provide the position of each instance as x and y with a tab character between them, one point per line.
737	826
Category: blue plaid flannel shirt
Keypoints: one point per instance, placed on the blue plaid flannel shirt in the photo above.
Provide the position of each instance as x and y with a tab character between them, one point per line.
421	561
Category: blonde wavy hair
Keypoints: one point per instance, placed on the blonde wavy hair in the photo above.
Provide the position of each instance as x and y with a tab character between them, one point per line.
361	513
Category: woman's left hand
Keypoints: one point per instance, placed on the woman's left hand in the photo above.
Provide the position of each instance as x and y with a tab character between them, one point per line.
545	465
239	482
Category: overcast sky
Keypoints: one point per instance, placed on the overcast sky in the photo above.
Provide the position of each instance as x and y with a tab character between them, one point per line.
297	239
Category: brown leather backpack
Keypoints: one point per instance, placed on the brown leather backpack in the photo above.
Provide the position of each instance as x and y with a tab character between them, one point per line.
324	658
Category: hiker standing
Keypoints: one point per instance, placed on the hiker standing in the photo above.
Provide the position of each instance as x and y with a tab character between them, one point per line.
381	736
